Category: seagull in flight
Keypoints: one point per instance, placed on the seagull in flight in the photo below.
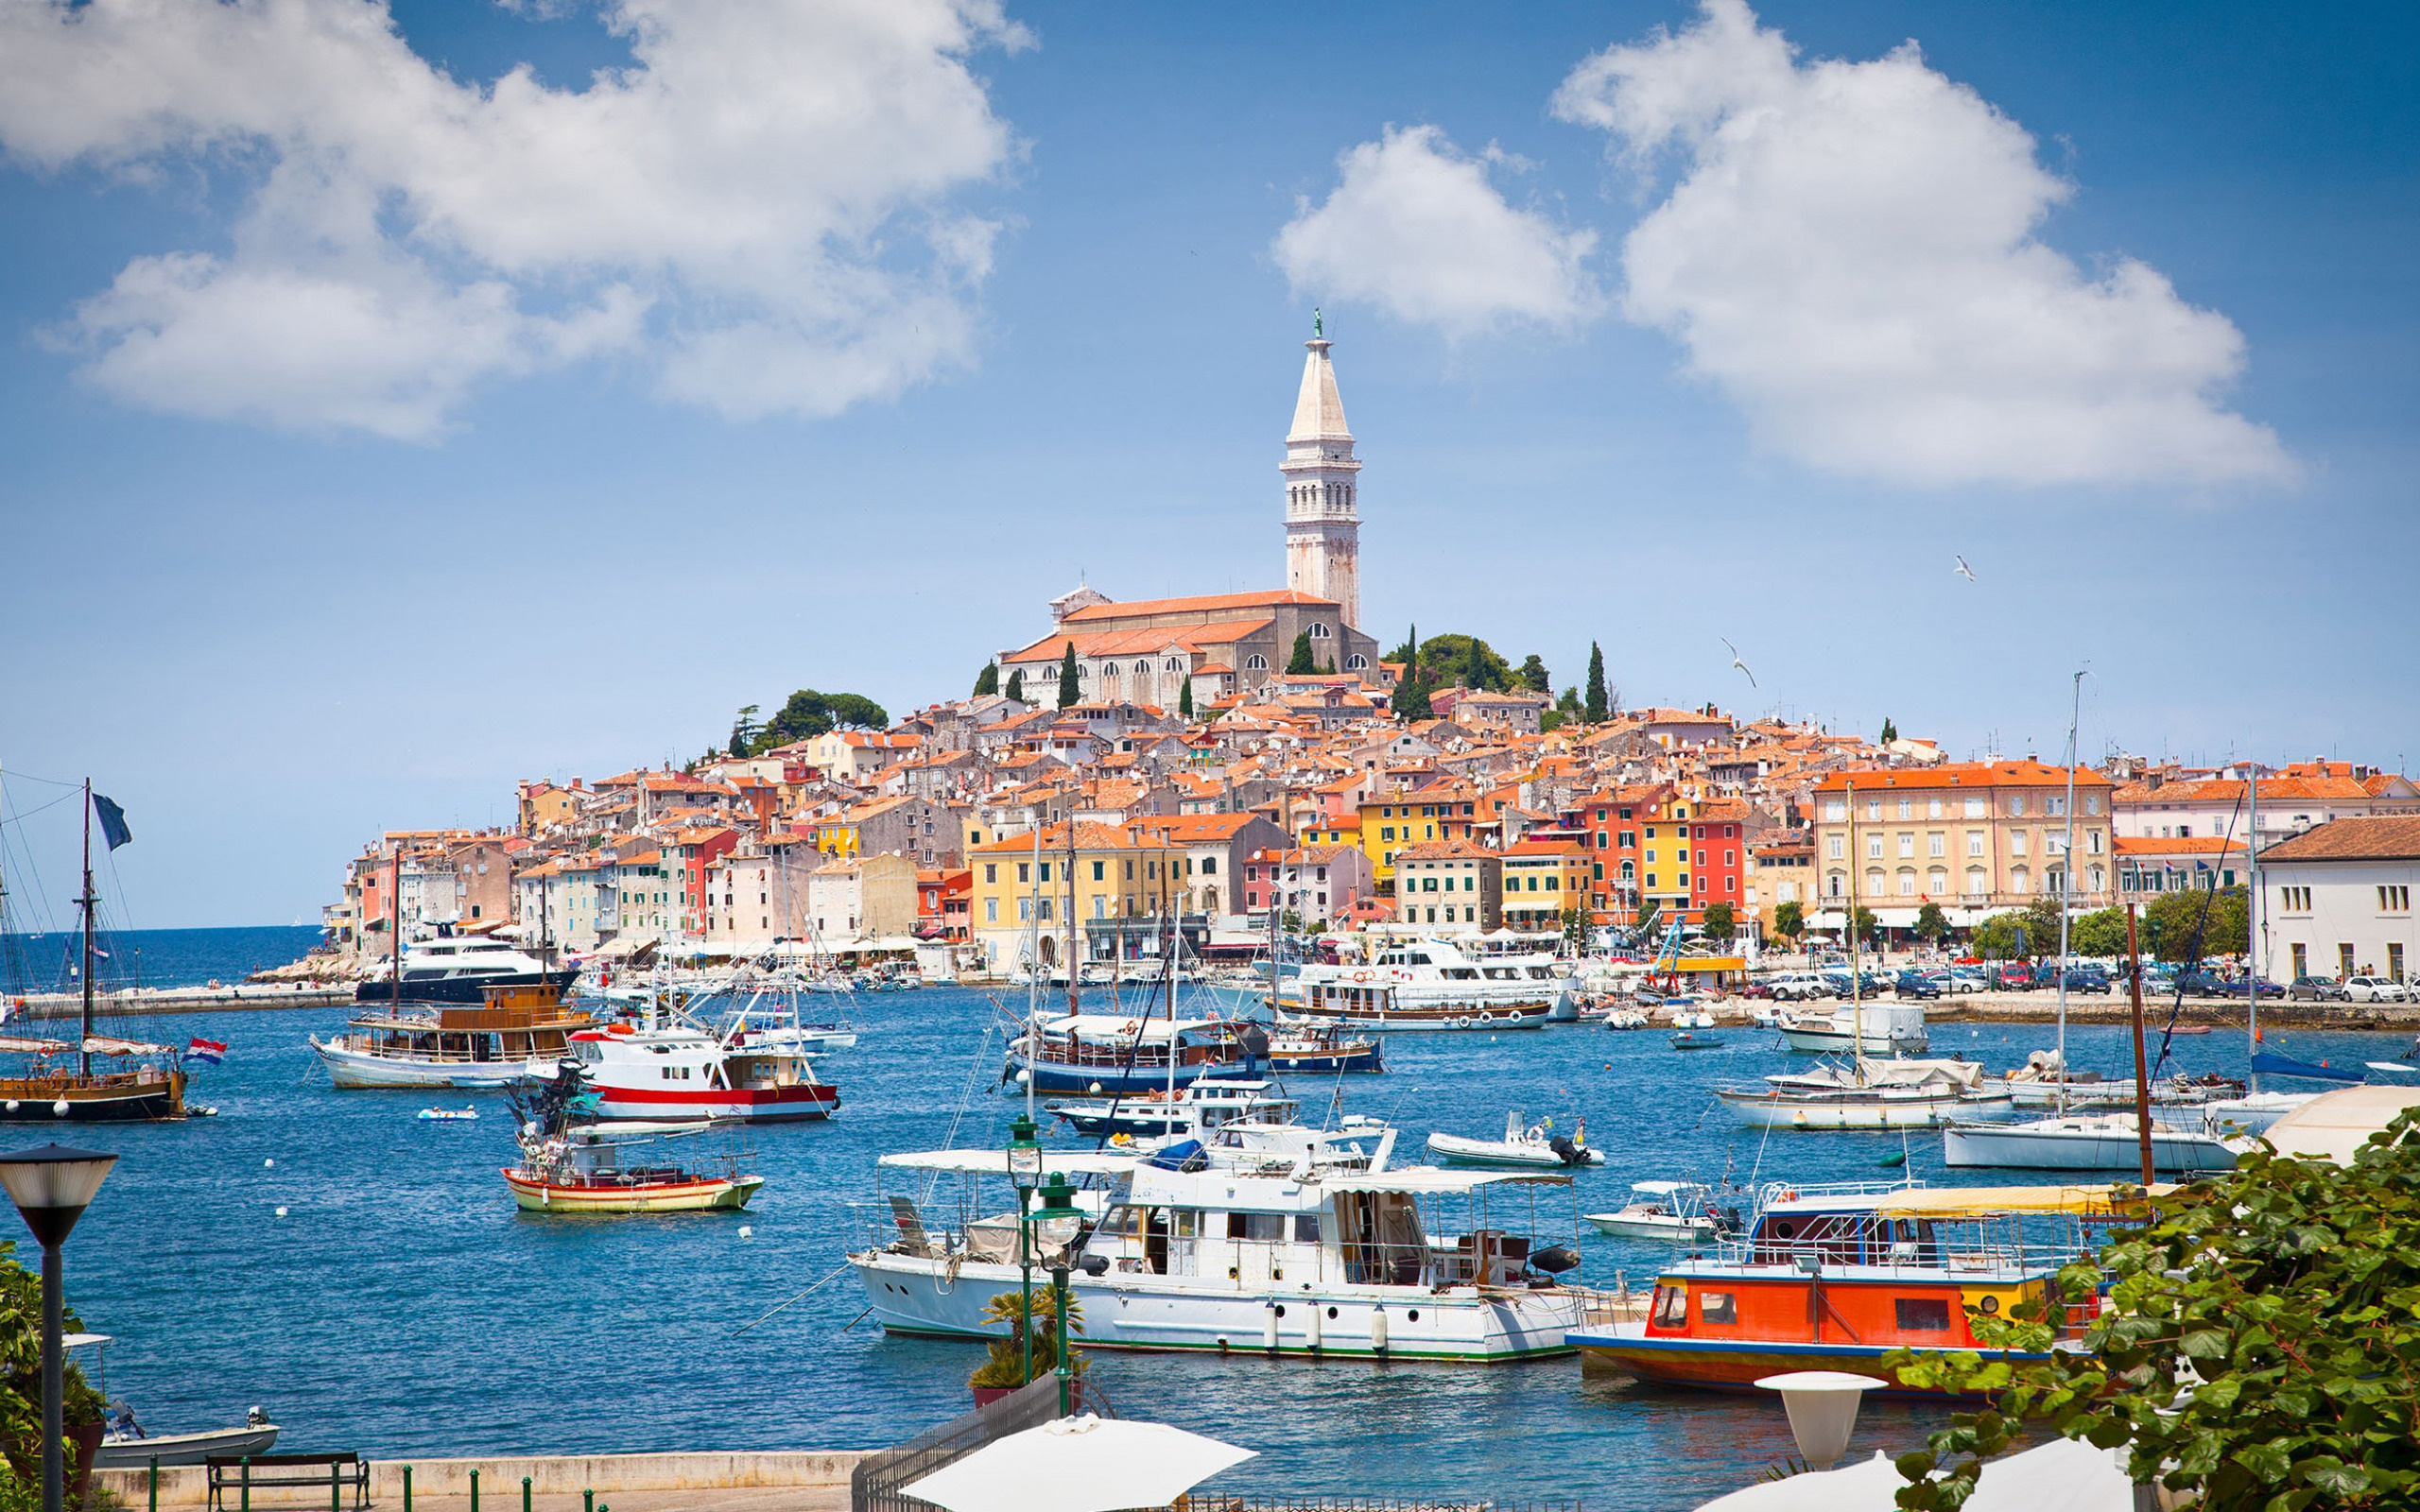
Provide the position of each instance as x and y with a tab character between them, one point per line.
1964	571
1734	659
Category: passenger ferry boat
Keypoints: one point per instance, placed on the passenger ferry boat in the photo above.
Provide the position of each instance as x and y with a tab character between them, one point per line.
460	969
1431	983
1270	1240
681	1073
516	1032
1836	1278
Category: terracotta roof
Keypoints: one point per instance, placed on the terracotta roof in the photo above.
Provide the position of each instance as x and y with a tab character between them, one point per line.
1959	774
1444	850
1142	643
2384	838
1208	604
2195	845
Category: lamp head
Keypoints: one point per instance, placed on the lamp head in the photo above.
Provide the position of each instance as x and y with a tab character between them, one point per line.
1058	1199
52	1186
1024	1151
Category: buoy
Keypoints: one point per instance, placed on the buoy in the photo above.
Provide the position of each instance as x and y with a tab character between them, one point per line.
1024	1078
14	1104
59	1109
1096	1088
1311	1330
746	1232
266	1164
1379	1329
280	1212
1269	1327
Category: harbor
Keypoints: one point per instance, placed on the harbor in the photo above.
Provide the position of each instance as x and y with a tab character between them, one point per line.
330	1255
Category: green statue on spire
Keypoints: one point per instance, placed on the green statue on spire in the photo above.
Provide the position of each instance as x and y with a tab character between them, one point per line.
1318	333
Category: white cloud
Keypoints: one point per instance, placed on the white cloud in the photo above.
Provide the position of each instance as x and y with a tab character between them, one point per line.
759	208
1421	231
1851	252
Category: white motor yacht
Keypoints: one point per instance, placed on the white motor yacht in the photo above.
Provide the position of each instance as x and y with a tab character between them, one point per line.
1432	984
460	969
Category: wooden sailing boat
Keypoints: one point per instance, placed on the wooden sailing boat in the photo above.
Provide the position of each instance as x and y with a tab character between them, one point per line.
47	1089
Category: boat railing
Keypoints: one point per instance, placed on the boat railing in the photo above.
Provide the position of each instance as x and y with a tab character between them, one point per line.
1777	1192
1898	1257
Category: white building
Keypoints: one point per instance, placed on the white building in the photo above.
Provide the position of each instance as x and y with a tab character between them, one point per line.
2303	796
2337	900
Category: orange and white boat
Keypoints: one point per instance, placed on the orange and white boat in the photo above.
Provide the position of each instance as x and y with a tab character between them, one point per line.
1836	1278
583	1170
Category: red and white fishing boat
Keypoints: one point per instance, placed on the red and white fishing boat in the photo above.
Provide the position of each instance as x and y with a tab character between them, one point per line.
679	1074
582	1171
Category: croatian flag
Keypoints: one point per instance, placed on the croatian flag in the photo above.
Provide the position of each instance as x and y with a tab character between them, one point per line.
209	1051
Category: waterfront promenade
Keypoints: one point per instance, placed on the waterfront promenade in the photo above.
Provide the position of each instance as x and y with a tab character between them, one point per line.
807	1481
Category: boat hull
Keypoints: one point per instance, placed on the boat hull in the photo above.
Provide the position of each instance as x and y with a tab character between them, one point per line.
460	989
2081	1147
47	1100
354	1071
1455	1150
183	1449
707	1195
1669	1231
1725	1364
1827	1042
799	1104
1767	1111
923	1298
1490	1019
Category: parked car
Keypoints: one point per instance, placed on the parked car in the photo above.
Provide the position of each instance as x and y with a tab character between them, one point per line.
1962	979
1914	985
2376	989
2316	989
2013	976
1800	987
2210	984
2080	978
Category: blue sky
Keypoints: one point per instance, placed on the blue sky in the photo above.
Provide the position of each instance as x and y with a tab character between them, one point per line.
824	356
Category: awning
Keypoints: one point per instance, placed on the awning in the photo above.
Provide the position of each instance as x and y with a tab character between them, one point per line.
1427	1180
2099	1201
614	950
996	1162
2335	1125
101	1045
1134	1028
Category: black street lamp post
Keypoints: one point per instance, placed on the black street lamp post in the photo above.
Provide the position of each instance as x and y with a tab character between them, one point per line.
52	1186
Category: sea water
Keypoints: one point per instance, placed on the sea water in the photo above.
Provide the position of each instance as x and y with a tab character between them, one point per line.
403	1306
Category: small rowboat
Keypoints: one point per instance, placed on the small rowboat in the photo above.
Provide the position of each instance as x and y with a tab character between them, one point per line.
1696	1040
448	1115
1535	1147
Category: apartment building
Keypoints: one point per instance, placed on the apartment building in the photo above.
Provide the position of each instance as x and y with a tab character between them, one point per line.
2337	900
1973	837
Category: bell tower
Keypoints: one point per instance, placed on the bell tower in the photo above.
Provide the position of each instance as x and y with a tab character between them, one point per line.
1323	524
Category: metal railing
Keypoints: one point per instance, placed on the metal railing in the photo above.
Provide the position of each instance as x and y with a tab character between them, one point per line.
1218	1501
875	1485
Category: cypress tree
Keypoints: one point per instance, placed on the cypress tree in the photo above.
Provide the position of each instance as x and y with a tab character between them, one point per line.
1068	692
988	681
1016	685
1185	697
1596	701
1300	664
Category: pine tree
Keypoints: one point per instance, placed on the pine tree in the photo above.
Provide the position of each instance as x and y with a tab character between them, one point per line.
1300	663
1185	697
1016	685
1890	731
1596	701
1068	692
988	681
1533	676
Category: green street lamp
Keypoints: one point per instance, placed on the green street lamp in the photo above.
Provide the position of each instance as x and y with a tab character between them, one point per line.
52	1186
1058	1201
1025	1169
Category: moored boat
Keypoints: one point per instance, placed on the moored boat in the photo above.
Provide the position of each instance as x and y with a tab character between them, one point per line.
1674	1211
1535	1147
461	968
514	1032
1432	984
679	1074
2086	1141
1867	1094
584	1170
1194	1112
1835	1278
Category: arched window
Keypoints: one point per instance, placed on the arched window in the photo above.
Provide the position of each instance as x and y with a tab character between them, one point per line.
1937	880
1833	883
1050	673
1873	882
1357	662
1319	632
1908	882
1142	669
1256	663
1175	665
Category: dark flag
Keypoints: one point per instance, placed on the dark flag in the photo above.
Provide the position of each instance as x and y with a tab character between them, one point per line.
113	819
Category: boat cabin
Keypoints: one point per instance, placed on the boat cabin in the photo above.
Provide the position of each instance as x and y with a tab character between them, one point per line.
511	1024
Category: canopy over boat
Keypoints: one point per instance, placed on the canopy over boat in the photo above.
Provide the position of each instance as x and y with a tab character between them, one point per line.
101	1045
12	1045
2270	1063
1667	1189
1427	1180
1985	1202
1123	1028
996	1162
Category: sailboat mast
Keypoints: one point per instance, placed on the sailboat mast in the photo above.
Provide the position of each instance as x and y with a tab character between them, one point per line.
395	926
1857	983
84	1041
2068	882
2251	907
1034	971
1073	981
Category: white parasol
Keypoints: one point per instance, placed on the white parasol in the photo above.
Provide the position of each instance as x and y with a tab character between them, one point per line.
1083	1464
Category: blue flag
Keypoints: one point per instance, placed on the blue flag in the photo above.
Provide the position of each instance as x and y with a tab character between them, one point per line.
113	819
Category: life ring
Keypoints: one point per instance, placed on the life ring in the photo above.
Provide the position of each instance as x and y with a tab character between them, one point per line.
1485	1018
1462	1022
1360	976
1130	1026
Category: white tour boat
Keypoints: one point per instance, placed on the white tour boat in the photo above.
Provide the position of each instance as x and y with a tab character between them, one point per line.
1252	1245
517	1032
1196	1111
681	1073
1431	983
1536	1147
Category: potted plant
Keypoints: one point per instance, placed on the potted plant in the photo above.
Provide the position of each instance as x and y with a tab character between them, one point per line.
1004	1370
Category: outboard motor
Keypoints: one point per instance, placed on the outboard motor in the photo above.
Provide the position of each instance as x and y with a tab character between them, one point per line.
1567	1152
1093	1264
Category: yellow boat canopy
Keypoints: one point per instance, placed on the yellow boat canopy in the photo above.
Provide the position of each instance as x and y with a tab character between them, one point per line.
1986	1202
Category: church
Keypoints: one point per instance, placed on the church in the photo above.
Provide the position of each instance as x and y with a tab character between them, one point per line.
1146	650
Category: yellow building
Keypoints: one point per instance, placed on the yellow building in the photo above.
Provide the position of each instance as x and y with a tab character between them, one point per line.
1542	878
1395	822
1114	875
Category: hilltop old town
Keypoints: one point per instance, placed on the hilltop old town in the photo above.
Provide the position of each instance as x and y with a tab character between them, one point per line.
1191	763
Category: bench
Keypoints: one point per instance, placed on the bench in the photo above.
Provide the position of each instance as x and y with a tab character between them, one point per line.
288	1471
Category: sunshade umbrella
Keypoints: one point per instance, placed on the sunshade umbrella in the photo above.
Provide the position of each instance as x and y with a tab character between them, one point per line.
1083	1464
2060	1476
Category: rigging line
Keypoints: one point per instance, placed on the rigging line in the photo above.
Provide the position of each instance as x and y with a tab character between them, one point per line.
2200	927
838	1272
51	781
23	815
